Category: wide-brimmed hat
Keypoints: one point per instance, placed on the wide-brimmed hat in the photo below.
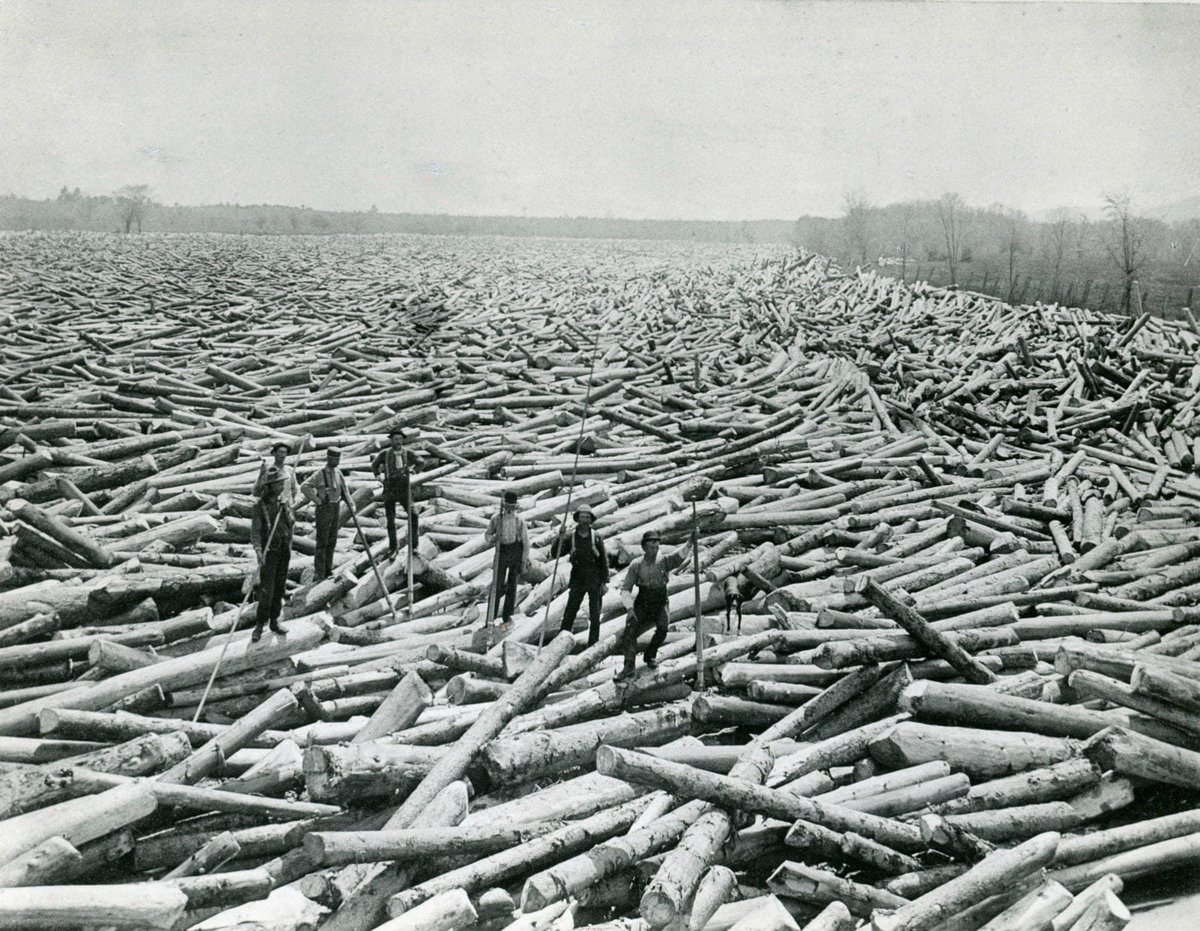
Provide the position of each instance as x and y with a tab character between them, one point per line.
651	536
510	497
584	509
286	447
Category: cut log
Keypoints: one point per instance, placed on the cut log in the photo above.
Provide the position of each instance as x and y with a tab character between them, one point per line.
135	906
997	871
399	710
449	911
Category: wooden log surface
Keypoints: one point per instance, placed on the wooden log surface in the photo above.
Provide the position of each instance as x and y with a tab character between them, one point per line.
890	476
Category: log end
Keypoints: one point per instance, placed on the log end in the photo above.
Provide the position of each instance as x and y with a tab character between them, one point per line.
540	891
657	908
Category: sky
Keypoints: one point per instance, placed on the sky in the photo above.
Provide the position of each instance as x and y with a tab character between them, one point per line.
696	109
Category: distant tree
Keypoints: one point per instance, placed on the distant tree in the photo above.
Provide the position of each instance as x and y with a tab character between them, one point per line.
1124	241
1054	243
1013	243
952	213
908	213
857	226
133	205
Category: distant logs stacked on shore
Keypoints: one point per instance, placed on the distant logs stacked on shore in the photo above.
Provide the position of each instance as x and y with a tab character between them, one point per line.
957	541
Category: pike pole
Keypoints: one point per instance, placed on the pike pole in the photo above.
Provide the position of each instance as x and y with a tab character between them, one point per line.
411	537
696	598
370	556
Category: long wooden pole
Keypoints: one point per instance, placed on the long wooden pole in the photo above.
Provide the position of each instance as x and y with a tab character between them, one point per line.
562	525
371	556
236	621
696	598
411	538
493	589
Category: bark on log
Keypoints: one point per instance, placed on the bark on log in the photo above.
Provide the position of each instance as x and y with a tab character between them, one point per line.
995	872
735	793
134	906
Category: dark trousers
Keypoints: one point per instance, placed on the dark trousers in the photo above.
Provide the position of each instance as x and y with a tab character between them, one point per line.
389	510
272	580
595	597
508	572
327	520
649	610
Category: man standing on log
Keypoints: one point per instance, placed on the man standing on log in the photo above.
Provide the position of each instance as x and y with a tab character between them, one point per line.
589	571
271	527
392	467
649	608
279	453
507	530
326	488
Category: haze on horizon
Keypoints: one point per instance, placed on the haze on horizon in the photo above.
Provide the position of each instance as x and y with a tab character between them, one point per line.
695	109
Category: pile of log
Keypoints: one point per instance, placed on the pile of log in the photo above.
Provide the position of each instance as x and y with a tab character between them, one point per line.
933	662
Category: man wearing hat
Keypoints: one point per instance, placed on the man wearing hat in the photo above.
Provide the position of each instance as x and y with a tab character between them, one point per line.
589	571
649	609
325	488
279	453
271	527
507	530
392	467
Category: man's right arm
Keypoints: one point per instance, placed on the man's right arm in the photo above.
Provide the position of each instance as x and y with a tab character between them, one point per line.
309	488
631	575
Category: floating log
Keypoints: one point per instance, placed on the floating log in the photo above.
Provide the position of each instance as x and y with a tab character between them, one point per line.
1002	485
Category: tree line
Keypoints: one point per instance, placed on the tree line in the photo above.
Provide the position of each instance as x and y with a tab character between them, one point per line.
133	209
951	242
1066	256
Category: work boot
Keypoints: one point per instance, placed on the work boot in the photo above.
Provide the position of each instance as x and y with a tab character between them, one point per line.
651	663
626	672
257	635
276	627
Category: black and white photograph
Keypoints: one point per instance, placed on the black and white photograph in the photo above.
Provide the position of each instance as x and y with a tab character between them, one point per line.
599	465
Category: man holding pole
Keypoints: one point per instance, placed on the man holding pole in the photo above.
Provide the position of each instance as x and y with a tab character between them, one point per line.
326	488
508	532
589	571
649	608
392	467
271	527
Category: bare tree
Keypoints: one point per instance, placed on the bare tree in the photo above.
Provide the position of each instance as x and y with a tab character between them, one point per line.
1124	242
1054	242
908	213
133	204
857	226
951	211
1014	242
